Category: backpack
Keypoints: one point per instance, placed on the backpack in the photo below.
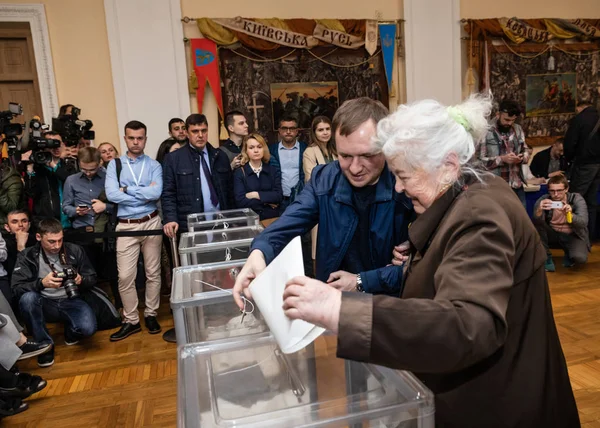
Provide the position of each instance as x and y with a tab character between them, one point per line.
107	316
110	244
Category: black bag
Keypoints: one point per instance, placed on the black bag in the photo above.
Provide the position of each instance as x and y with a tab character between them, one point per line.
107	316
110	244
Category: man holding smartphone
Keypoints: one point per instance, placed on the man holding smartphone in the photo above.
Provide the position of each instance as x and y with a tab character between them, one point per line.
504	150
561	217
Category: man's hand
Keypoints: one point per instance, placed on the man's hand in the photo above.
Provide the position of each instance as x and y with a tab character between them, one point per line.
78	279
312	301
25	156
400	253
236	162
51	281
511	159
567	208
98	206
82	211
555	173
342	280
546	204
21	237
252	195
171	229
153	184
253	267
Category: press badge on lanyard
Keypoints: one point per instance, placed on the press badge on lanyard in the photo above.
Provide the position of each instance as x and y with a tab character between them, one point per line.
137	180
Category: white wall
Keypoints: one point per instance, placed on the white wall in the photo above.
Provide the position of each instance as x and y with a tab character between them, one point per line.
433	51
147	56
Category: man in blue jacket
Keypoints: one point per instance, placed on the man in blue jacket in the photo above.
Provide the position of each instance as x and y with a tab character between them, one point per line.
197	178
361	217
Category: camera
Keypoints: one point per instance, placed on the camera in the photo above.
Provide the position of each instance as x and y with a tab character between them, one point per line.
68	276
10	130
72	129
37	144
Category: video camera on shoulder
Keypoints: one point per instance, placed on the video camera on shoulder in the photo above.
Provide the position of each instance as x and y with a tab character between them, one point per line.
37	143
11	131
72	129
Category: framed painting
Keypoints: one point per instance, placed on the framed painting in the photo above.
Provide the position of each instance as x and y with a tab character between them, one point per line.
550	94
303	101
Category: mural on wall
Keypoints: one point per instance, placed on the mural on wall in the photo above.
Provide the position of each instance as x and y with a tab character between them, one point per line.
303	101
525	78
548	94
247	84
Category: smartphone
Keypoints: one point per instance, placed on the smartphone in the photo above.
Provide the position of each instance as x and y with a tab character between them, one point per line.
83	207
556	205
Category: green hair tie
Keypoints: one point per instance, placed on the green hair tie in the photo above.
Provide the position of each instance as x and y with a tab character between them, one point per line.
459	117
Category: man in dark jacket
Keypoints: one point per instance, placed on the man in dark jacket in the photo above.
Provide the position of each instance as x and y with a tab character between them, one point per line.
11	190
361	217
196	178
45	186
550	162
46	294
582	150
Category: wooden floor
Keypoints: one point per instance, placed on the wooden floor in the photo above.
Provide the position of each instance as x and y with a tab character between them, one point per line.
133	383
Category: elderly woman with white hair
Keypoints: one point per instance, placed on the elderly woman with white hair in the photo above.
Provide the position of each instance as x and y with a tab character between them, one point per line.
474	321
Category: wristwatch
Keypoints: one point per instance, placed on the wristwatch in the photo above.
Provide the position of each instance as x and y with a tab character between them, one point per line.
124	189
359	286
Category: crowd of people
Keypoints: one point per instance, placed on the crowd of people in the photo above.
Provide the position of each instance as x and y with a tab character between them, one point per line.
425	204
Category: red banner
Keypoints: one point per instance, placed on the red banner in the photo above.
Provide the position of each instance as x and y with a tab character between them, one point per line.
206	67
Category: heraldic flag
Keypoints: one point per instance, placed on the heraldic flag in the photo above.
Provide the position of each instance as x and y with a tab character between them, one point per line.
206	67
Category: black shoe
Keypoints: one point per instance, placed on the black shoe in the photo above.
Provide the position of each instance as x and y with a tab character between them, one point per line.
152	325
127	329
12	406
25	386
46	360
33	349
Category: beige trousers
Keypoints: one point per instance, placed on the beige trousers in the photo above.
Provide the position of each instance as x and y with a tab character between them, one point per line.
128	252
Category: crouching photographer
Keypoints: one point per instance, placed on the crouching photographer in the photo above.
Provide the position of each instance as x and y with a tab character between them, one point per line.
49	281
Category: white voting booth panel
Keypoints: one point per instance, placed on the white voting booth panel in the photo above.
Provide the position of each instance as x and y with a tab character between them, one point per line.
218	245
249	382
222	220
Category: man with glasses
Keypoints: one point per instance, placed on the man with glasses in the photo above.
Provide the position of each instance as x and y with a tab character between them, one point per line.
287	156
84	202
562	217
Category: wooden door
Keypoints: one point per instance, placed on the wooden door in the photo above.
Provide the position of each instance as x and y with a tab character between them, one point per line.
18	74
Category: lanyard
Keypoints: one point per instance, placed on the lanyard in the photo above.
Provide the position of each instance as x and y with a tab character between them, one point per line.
136	179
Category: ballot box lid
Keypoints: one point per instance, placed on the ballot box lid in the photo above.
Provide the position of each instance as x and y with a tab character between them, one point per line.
211	240
248	382
218	218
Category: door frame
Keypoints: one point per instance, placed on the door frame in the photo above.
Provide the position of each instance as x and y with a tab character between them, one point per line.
35	15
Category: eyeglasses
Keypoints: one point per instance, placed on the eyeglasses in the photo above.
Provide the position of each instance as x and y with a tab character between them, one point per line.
557	191
288	129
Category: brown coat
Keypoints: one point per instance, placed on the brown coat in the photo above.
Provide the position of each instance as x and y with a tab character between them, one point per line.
475	321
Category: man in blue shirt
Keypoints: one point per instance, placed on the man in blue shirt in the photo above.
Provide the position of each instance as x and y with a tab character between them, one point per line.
137	192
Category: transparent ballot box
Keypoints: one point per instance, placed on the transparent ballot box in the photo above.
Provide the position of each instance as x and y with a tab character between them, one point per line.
202	313
222	220
248	382
212	246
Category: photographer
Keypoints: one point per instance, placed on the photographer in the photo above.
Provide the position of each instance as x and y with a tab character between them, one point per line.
47	281
561	216
45	185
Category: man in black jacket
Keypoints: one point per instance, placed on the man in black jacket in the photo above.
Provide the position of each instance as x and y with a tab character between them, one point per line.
45	294
582	150
550	162
196	179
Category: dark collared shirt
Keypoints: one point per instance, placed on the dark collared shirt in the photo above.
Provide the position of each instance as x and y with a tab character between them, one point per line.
79	190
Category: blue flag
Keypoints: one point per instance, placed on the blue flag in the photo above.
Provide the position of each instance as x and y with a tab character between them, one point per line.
387	34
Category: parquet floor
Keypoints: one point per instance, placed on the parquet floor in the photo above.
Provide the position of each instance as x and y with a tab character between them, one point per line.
133	383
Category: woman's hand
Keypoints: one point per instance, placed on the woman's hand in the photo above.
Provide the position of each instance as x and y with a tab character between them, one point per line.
312	301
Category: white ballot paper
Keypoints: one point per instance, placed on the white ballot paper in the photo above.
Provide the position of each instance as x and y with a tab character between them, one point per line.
267	292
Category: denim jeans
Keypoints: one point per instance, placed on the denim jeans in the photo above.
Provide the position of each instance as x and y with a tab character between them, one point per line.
78	318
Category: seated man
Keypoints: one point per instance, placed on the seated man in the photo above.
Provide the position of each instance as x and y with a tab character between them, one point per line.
43	292
550	162
562	216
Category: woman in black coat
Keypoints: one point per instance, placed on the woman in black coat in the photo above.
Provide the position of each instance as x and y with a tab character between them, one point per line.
256	184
